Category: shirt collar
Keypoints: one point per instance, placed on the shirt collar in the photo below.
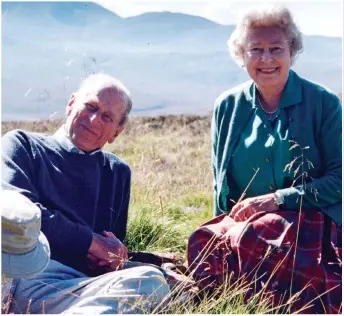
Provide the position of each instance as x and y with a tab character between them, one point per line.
292	93
62	137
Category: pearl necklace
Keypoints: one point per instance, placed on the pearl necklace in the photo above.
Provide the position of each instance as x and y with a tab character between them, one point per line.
265	111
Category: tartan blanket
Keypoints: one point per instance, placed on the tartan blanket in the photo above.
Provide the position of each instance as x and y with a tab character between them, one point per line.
267	252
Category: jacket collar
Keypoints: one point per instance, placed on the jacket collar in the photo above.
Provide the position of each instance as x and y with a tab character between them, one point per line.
292	93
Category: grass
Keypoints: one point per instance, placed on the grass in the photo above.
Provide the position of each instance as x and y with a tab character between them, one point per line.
171	179
171	196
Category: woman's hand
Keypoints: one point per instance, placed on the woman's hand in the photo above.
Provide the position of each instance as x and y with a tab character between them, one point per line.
246	208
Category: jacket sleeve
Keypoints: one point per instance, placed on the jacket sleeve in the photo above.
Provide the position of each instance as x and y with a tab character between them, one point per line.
214	159
223	197
18	174
324	191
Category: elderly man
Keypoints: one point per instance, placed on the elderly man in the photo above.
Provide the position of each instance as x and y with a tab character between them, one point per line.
83	193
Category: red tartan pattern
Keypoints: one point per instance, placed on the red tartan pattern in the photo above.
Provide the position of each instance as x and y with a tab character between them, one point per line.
264	247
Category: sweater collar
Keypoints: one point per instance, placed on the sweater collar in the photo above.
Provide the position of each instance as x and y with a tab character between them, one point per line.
62	137
292	93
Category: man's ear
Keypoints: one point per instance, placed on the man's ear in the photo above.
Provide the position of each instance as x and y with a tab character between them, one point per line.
69	104
118	131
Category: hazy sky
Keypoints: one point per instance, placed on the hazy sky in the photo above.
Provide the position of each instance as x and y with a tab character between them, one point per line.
320	17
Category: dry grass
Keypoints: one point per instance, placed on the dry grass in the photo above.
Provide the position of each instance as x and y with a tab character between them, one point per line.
171	196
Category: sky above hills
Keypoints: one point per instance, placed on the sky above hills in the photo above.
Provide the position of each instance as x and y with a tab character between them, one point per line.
317	17
171	62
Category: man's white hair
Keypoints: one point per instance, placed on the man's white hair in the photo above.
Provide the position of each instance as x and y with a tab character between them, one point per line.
101	81
260	17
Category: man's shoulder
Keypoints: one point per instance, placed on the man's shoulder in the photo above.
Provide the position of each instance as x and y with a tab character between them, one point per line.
115	162
25	137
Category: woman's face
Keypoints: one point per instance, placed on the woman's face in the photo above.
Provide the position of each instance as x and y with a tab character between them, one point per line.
267	57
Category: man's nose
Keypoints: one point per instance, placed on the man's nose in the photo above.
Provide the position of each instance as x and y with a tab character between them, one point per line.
94	116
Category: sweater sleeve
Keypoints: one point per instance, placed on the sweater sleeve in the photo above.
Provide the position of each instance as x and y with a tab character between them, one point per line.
324	191
18	173
120	226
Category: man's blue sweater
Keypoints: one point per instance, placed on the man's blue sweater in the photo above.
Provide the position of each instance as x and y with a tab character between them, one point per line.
78	193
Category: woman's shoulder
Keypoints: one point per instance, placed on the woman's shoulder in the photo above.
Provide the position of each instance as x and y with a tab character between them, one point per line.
235	95
310	86
320	99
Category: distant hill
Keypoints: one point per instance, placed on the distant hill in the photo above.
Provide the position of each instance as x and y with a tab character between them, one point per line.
171	62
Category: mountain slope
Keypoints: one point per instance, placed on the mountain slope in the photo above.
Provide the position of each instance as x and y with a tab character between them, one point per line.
172	63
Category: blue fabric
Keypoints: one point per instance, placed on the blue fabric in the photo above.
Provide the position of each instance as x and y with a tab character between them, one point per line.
78	193
60	288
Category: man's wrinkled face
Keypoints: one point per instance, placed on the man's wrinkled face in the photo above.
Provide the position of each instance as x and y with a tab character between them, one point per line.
94	117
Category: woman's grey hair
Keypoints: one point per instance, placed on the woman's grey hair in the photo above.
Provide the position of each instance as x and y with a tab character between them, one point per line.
101	81
273	16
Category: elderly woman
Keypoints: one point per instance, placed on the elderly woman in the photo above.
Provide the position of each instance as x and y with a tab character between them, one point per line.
277	165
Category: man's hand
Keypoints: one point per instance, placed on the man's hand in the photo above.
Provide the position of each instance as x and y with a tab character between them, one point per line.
246	208
107	252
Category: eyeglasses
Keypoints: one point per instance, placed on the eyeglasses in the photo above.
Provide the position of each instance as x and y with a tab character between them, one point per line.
259	51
